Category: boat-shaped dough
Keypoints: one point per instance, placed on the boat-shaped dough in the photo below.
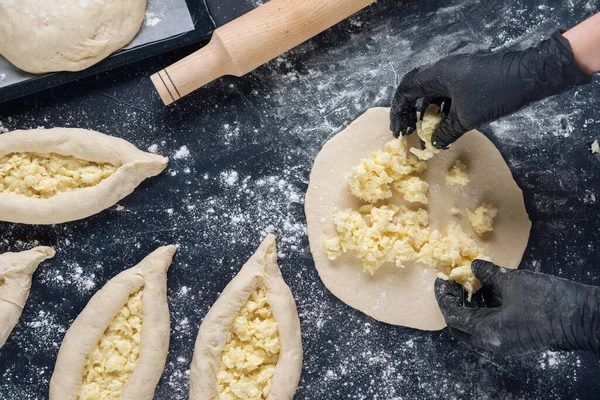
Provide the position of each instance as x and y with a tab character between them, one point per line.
249	345
16	270
117	347
50	176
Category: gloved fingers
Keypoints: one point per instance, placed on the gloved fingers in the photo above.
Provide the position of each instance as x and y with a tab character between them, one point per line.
448	131
445	106
403	118
447	289
403	114
423	103
449	296
415	85
488	273
421	106
488	296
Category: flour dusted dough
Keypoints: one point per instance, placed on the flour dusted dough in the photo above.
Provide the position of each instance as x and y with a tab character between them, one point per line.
260	270
81	339
66	35
133	166
405	296
16	270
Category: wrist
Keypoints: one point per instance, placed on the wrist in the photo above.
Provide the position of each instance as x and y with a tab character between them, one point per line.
581	329
594	342
549	69
585	44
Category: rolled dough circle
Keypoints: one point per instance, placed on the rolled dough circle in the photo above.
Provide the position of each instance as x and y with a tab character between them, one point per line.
405	296
66	35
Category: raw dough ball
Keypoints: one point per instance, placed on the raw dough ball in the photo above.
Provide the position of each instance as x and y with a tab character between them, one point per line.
66	35
404	296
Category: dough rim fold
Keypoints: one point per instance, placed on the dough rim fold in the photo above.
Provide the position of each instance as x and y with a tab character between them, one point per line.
87	329
261	268
133	167
17	270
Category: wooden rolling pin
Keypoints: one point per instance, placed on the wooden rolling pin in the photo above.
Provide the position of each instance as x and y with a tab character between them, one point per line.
253	39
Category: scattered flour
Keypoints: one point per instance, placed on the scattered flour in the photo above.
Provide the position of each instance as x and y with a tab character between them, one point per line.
229	178
182	153
245	195
151	19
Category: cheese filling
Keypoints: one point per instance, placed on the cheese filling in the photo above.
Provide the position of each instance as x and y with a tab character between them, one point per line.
46	175
383	233
392	234
457	174
112	361
248	360
425	128
482	219
372	179
396	167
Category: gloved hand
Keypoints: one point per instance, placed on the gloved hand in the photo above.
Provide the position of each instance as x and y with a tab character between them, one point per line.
479	88
525	311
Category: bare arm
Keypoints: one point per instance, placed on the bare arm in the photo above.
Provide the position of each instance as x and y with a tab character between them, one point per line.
585	42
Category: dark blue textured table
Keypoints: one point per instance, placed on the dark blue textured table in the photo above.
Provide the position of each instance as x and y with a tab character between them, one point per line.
241	152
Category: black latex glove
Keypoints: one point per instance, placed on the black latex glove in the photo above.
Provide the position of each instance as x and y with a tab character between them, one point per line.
479	88
525	312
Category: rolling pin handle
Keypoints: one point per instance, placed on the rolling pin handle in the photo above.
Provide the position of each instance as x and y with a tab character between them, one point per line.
246	43
165	87
194	71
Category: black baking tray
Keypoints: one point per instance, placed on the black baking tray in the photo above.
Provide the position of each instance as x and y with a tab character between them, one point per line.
204	25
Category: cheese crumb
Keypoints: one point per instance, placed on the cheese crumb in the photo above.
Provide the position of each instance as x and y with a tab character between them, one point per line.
595	147
111	363
464	275
375	238
46	175
482	219
393	234
425	128
388	233
371	180
414	189
457	174
251	351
